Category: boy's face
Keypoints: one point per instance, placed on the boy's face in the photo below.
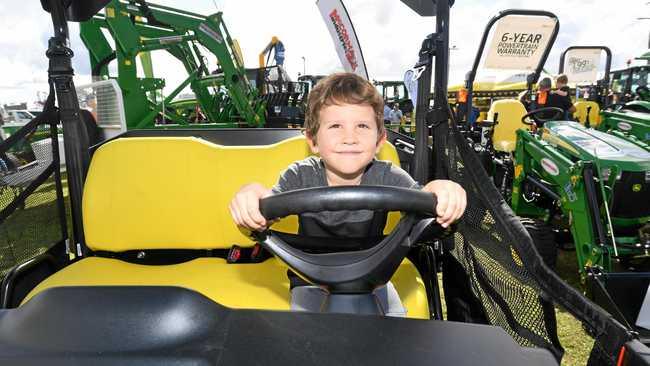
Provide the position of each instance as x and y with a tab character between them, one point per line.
347	139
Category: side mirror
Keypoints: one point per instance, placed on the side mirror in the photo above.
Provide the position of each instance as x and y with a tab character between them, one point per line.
78	10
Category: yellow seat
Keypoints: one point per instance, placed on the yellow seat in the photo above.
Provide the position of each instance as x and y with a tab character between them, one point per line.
581	112
172	193
509	113
253	286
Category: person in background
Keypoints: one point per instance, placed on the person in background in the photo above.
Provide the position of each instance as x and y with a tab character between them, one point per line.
562	91
396	114
387	111
545	98
561	87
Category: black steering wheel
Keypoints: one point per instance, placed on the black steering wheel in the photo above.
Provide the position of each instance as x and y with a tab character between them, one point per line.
358	271
536	115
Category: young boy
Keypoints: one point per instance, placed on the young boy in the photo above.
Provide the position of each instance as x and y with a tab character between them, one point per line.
344	126
562	95
561	85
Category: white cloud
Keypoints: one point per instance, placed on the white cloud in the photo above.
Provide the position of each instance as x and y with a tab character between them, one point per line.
389	32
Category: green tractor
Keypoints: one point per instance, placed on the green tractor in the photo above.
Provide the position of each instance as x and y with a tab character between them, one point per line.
560	175
593	183
630	112
396	92
134	34
620	101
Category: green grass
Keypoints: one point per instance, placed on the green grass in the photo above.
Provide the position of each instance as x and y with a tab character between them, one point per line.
32	229
577	344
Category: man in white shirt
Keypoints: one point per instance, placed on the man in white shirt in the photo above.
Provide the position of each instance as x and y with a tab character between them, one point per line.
396	114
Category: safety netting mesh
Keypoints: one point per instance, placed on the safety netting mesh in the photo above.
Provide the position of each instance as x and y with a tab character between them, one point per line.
507	278
32	208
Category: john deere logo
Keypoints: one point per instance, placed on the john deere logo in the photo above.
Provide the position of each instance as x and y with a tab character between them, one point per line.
624	126
636	188
550	167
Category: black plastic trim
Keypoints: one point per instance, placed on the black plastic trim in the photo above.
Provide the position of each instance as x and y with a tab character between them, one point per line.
176	326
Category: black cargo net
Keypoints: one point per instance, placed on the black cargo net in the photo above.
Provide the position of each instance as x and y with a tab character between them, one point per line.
511	286
32	209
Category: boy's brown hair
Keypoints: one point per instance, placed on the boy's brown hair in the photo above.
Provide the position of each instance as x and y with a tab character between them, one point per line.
342	88
562	78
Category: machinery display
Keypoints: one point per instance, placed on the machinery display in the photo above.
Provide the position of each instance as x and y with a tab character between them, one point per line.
630	109
561	175
395	92
285	99
223	96
587	181
617	102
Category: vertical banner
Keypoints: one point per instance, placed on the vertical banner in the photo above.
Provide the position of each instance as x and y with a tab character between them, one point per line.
518	42
411	84
581	65
345	39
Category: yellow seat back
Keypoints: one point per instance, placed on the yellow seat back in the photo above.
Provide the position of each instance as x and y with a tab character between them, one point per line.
509	113
581	112
173	192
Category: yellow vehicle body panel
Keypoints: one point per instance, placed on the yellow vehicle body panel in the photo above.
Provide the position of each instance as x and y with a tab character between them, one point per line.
509	113
581	112
173	193
251	286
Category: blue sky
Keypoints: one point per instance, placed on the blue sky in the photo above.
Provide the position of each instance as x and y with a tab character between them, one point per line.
390	35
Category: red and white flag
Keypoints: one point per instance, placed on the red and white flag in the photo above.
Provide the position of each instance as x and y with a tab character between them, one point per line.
345	39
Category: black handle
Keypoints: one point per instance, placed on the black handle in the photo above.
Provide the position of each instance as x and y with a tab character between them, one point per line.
348	198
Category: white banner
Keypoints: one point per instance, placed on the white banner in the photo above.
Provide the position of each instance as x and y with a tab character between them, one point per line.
519	42
345	39
581	65
411	83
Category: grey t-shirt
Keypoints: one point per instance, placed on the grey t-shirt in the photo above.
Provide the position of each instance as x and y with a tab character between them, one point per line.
310	173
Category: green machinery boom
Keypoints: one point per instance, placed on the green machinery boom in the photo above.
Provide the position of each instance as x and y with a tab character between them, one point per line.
224	96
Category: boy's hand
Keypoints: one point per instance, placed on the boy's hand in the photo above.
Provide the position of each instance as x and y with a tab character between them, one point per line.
452	200
245	206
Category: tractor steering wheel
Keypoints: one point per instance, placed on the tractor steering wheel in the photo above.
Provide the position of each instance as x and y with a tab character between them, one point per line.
357	271
536	115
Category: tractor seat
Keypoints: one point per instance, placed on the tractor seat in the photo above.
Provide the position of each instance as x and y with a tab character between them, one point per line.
508	113
581	112
156	193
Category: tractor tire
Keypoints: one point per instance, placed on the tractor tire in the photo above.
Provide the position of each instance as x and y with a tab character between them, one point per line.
543	239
